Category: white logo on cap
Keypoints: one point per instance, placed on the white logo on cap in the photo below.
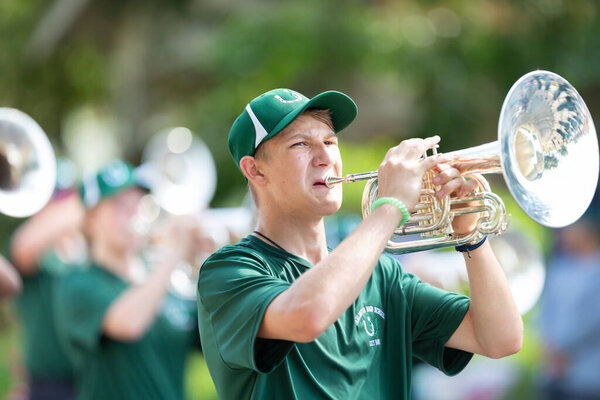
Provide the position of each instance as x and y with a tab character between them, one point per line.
297	97
259	131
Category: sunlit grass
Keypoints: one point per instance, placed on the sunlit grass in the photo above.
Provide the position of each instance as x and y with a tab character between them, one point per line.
8	342
198	383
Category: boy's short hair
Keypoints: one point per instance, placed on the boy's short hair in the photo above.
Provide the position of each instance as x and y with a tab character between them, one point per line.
320	114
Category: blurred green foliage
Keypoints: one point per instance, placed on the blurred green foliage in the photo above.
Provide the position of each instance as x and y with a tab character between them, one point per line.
414	68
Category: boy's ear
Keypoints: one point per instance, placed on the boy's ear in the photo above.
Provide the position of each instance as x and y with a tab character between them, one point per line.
251	170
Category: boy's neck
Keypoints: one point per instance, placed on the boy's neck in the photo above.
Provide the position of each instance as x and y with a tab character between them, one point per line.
303	238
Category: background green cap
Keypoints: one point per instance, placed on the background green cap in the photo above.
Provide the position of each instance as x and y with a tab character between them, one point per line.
271	112
109	180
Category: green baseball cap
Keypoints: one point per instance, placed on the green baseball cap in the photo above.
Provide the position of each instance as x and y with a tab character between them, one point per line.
109	180
269	113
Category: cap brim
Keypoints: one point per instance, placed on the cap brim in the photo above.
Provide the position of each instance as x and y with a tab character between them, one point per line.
342	107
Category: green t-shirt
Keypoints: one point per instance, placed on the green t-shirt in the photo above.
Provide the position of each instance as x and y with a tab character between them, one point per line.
150	368
44	357
366	354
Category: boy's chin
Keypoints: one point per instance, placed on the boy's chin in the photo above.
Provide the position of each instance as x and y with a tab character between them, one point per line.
332	208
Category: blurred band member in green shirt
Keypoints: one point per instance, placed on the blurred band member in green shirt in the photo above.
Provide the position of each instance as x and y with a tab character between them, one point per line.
44	249
127	336
281	316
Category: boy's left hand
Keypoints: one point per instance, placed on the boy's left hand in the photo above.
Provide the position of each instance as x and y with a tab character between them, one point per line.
454	184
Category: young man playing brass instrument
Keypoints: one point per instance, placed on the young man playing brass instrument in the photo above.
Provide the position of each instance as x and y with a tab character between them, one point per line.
281	316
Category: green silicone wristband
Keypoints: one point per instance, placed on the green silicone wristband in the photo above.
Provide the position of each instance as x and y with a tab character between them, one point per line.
397	203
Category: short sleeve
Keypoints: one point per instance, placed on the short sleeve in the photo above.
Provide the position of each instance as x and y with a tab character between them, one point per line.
235	291
81	304
435	315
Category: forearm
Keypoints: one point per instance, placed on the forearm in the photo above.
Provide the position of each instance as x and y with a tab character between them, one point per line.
317	299
131	314
41	231
497	324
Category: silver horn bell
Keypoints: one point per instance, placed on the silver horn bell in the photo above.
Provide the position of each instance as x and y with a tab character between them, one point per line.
27	164
547	150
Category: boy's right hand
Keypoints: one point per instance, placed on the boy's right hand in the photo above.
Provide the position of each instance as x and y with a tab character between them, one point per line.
401	172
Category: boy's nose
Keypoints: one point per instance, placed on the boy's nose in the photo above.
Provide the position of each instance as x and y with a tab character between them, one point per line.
322	156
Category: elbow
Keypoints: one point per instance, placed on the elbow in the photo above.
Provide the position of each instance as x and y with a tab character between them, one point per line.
126	333
11	290
10	281
308	334
509	345
131	333
505	350
310	324
24	260
16	287
295	318
123	330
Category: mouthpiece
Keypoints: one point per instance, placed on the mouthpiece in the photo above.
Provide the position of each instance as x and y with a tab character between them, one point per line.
334	180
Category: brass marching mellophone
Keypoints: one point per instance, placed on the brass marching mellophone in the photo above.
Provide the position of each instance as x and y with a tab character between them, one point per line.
27	164
182	177
547	150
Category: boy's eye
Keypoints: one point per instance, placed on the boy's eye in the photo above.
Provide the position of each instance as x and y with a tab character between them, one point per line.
299	144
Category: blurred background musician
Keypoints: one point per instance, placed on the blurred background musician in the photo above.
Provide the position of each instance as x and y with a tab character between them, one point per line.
570	313
126	334
43	249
